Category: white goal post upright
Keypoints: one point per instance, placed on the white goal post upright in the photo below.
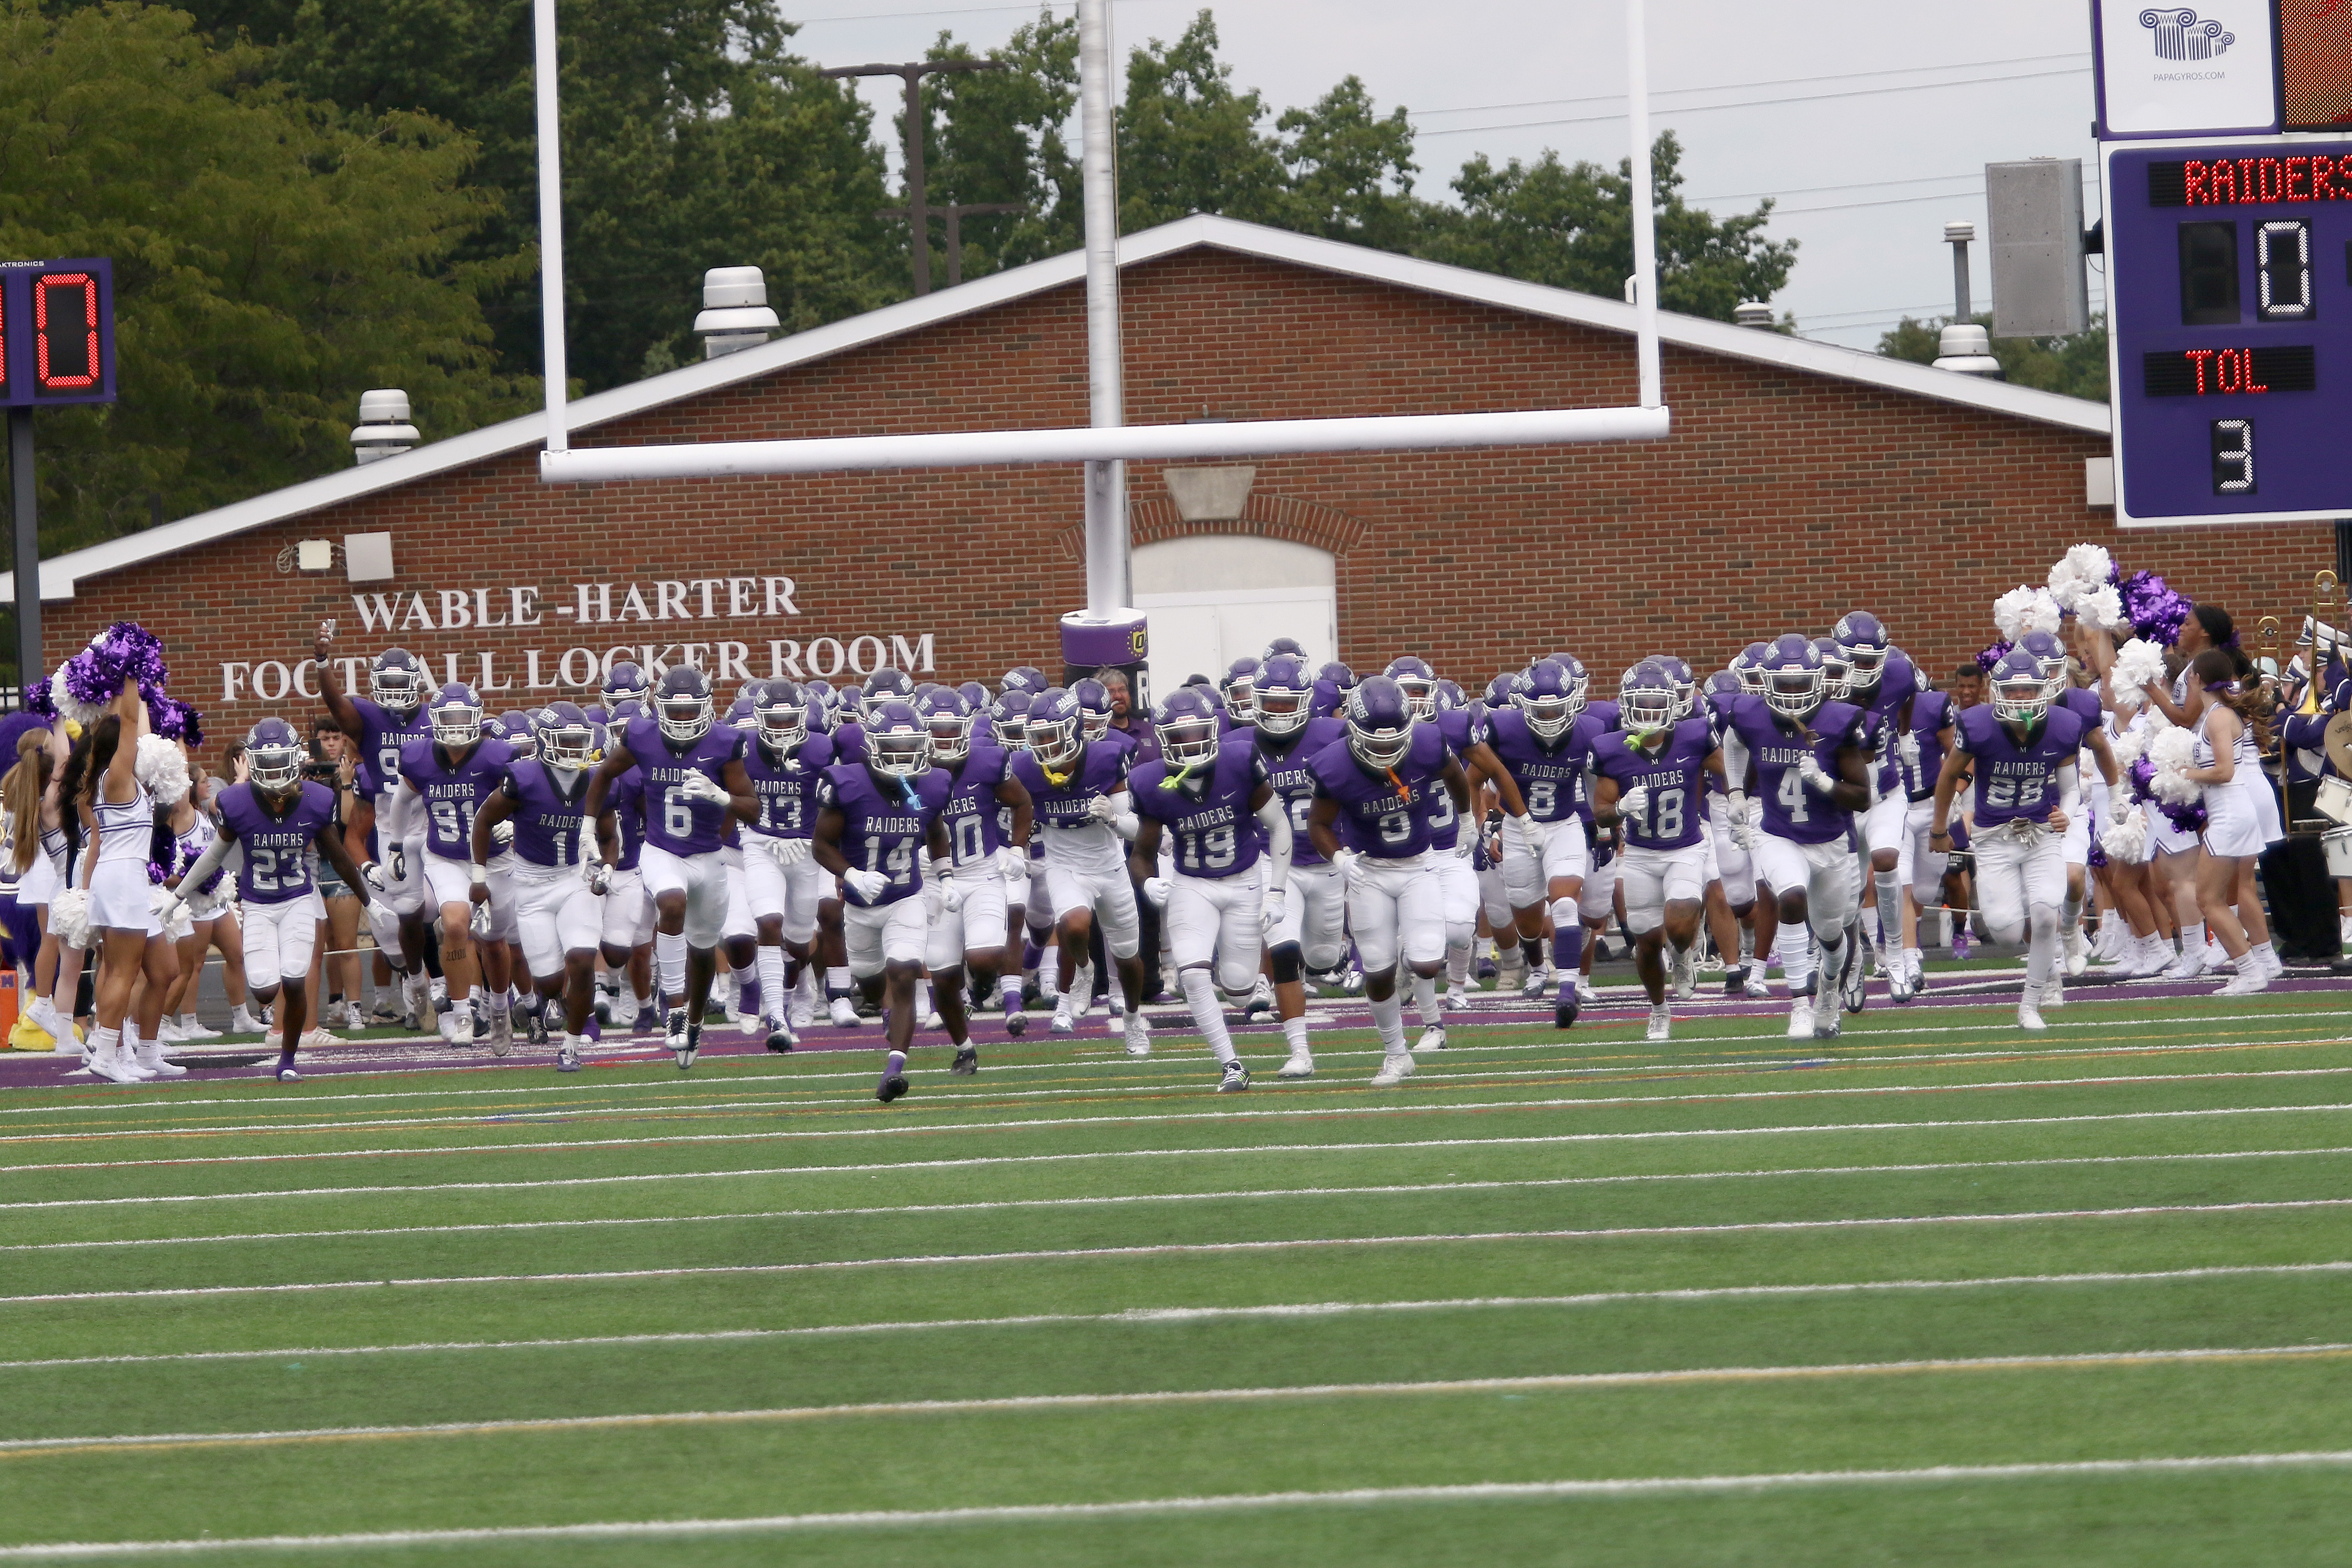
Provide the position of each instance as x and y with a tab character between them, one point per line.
1105	443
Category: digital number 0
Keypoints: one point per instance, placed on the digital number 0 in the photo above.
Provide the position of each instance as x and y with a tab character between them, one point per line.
78	287
2282	267
2234	456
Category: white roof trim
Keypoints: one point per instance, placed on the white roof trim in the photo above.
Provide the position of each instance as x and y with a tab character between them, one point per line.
60	576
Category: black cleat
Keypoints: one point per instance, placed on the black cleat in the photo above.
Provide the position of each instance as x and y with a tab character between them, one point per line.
892	1087
780	1038
1564	1015
967	1060
1017	1024
535	1022
1236	1078
692	1049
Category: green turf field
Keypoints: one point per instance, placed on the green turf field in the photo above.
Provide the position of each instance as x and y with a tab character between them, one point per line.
1942	1295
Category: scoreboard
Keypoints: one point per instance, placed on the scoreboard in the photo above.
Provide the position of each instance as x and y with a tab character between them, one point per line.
2227	166
56	332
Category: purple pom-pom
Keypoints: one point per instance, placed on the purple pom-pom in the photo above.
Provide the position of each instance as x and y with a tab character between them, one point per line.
38	698
157	871
2188	816
2142	773
126	648
174	720
1988	659
2155	611
2098	856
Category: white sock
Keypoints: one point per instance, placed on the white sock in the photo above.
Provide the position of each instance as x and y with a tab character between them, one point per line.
2070	916
1201	996
923	1008
1424	998
669	966
772	1000
105	1043
2192	937
2041	950
1457	964
1793	947
1389	1019
1294	1032
1890	906
2267	954
500	1004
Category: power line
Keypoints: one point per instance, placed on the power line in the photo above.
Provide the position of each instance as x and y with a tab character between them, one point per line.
1851	185
1760	102
1735	86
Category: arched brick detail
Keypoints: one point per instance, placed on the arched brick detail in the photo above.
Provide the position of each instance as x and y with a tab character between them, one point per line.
1153	520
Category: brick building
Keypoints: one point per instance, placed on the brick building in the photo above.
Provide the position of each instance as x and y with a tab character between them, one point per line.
1801	480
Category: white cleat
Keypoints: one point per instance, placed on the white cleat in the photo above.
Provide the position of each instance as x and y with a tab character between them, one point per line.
2029	1017
1138	1035
928	1021
1433	1038
1535	984
1662	1023
1300	1064
1686	975
1393	1071
1758	988
844	1013
1585	994
1457	996
1063	1023
2078	956
1800	1020
2054	992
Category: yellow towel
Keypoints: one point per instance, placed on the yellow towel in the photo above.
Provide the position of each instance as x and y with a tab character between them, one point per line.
28	1036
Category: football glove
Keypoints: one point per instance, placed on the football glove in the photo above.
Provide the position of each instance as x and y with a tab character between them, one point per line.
1274	906
1634	803
868	885
700	785
950	896
1810	770
1155	889
787	851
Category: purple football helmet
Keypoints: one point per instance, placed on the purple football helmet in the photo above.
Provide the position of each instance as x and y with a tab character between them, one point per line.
1381	719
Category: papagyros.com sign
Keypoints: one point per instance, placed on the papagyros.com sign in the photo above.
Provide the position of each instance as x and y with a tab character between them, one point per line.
726	625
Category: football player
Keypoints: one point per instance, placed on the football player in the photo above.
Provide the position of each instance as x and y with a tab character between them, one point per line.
2024	753
1811	766
1372	781
2083	703
542	799
387	719
1543	740
783	887
1451	846
878	819
1650	775
443	782
693	781
627	940
1311	931
1924	734
1212	799
988	849
1078	789
276	817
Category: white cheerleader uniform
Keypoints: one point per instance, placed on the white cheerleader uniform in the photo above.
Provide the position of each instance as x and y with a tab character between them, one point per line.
119	896
2234	823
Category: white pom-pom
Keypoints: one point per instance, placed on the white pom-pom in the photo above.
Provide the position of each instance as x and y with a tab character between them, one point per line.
2102	609
163	769
161	898
2081	571
2045	616
69	918
2012	610
2131	745
2127	840
2137	663
2173	752
69	706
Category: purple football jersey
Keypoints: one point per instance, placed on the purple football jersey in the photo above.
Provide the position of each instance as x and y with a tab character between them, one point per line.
453	791
1382	814
1673	775
1550	777
2017	780
1207	818
380	739
674	820
977	821
627	801
885	833
786	786
548	818
277	848
1778	747
1885	710
1931	712
1462	729
1100	770
1289	760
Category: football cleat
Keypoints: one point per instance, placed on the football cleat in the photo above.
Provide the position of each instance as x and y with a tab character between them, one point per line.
1563	1014
1457	996
1757	986
844	1012
285	1073
1585	993
967	1060
1433	1038
1535	984
567	1058
2029	1017
2053	992
674	1029
1353	985
1063	1023
1261	998
1800	1019
1138	1035
1735	981
1017	1024
501	1034
1394	1070
1662	1023
1827	1023
893	1085
1300	1064
535	1024
1853	976
647	1021
1236	1077
780	1036
1686	973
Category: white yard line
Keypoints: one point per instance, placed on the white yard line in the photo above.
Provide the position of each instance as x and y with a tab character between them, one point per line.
1033	1401
1145	1316
1398	1189
1177	1249
1318	1111
979	1161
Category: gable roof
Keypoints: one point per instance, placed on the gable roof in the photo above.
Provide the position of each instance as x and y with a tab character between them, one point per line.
60	575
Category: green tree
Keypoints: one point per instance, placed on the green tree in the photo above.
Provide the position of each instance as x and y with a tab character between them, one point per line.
270	264
1351	171
2074	364
1008	136
1571	226
1188	142
691	138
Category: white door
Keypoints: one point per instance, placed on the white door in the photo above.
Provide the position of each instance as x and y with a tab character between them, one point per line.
1212	598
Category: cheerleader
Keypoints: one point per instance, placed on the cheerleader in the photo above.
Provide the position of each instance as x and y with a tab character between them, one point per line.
189	832
2240	818
2144	948
20	847
115	803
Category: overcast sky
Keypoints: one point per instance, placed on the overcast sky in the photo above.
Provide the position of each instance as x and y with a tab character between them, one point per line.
1868	157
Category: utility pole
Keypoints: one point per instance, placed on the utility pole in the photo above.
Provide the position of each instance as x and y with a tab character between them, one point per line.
918	214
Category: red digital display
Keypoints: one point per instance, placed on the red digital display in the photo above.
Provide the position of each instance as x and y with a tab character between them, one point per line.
56	331
2315	63
2229	372
2249	182
65	332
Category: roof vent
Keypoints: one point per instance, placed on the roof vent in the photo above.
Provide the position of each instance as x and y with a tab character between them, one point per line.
1753	313
735	313
383	430
1966	349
